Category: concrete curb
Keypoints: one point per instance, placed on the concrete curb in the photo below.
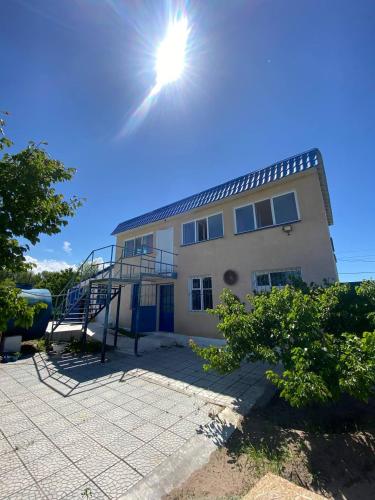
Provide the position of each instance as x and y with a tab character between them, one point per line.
196	452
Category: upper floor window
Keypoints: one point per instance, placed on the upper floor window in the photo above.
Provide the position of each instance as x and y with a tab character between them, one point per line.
140	245
207	228
265	280
277	210
200	294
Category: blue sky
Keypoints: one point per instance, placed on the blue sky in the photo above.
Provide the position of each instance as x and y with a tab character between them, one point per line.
265	79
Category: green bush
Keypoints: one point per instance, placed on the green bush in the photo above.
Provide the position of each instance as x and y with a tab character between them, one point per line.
75	346
322	336
14	307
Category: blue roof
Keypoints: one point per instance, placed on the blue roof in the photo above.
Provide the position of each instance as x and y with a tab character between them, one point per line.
277	171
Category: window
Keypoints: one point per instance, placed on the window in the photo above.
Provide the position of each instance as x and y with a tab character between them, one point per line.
215	226
201	294
204	229
140	245
263	213
245	219
266	213
188	233
285	208
264	280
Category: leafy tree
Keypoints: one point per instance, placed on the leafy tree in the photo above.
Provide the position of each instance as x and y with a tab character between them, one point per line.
318	337
30	206
54	281
29	202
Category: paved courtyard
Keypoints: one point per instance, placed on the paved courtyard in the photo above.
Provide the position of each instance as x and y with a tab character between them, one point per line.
73	428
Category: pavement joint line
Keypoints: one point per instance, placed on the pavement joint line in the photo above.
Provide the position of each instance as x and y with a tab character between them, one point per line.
48	438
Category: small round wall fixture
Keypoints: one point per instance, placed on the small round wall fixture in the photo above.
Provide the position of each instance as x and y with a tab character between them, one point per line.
230	277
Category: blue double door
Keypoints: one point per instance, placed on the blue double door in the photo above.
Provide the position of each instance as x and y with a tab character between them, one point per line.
144	308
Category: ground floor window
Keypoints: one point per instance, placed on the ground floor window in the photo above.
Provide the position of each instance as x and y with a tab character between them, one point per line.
200	293
263	281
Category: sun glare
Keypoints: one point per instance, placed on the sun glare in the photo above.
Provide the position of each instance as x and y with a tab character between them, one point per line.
170	57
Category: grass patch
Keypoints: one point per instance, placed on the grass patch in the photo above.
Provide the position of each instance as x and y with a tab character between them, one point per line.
265	459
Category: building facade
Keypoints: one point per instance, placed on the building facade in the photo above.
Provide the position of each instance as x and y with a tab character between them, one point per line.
249	234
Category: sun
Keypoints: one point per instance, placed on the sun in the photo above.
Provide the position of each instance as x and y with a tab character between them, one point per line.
171	53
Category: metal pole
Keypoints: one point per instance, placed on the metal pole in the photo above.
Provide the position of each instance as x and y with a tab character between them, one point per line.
137	312
84	331
117	315
107	303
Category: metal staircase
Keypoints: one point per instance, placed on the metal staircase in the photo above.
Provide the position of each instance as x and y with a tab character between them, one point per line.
98	280
90	303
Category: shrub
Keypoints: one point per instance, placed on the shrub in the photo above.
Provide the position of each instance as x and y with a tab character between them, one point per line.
322	337
14	307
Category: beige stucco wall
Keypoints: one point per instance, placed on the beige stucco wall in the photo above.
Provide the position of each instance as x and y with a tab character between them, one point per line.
308	247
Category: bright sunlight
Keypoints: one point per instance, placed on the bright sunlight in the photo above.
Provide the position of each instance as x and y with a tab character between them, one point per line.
170	58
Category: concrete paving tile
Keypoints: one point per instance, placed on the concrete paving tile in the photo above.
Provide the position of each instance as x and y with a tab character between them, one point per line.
165	420
149	413
115	415
14	482
167	442
80	449
49	417
145	459
36	450
5	447
88	490
163	404
185	429
124	445
131	422
146	432
16	427
63	482
9	461
70	435
25	438
181	410
116	480
47	465
133	406
103	407
96	463
149	398
56	427
92	402
81	416
32	492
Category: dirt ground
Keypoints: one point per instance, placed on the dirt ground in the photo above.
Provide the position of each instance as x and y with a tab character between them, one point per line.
328	450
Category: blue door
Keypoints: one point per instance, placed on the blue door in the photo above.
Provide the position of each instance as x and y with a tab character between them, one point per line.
145	320
166	313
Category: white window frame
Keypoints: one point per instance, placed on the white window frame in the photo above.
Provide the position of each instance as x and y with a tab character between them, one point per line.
195	229
133	239
190	290
267	288
271	198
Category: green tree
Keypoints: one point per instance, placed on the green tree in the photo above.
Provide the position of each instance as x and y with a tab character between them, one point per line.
316	336
54	281
30	205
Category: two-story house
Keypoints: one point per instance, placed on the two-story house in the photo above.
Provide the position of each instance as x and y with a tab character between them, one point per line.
248	234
